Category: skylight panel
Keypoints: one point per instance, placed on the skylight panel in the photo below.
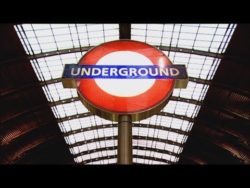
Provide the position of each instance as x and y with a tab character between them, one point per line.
143	131
167	157
74	124
86	157
77	124
112	161
139	152
193	36
50	37
53	65
153	154
70	109
79	149
197	66
57	92
94	163
192	91
78	159
110	132
138	160
147	153
89	134
181	108
166	122
110	143
105	161
154	144
71	139
92	146
172	136
160	145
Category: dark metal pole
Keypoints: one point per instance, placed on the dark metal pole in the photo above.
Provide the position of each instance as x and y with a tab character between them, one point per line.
125	155
125	31
124	121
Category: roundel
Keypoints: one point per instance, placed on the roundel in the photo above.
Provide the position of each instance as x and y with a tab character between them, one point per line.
109	98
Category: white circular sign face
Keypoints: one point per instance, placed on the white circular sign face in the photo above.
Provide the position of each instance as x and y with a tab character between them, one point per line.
124	87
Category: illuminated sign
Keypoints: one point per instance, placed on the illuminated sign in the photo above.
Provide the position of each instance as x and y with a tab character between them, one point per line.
124	77
125	72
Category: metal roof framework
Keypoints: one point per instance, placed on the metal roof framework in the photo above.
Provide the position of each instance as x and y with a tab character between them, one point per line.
156	140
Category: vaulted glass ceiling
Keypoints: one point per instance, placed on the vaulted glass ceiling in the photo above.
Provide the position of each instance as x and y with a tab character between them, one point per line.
156	140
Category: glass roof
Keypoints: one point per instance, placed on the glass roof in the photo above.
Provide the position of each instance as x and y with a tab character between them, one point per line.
156	140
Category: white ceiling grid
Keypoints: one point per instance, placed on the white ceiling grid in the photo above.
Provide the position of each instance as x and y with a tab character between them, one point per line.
156	140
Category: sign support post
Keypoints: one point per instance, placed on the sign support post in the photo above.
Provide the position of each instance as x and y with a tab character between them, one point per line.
125	140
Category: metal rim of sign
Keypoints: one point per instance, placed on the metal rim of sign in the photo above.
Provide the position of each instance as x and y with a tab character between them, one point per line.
159	93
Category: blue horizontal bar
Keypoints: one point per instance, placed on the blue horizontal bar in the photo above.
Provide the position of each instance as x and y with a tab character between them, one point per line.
75	71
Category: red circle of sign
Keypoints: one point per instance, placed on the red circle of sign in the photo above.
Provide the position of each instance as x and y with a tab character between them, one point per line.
160	90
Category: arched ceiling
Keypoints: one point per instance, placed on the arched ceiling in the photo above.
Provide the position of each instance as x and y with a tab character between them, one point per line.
28	129
222	128
90	139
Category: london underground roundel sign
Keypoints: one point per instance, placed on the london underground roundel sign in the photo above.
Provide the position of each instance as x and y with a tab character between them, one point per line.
124	77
